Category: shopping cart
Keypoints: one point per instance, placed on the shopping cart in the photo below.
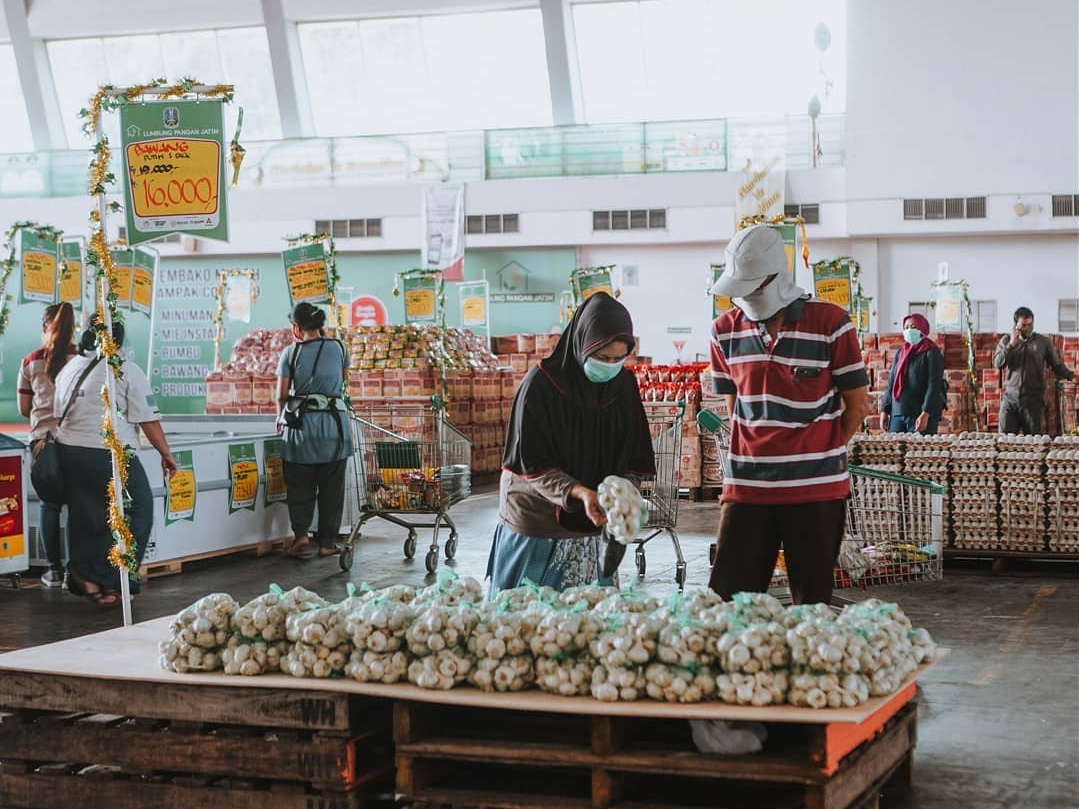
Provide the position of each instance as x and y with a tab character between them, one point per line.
408	461
660	491
894	532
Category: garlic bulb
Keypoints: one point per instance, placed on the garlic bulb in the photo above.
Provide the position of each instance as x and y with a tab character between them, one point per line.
198	634
625	508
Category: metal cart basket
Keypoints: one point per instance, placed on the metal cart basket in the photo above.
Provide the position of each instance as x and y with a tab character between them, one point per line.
660	491
895	525
408	461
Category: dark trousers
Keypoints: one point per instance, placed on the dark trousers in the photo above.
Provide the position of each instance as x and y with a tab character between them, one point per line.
1022	413
309	483
748	545
905	424
87	472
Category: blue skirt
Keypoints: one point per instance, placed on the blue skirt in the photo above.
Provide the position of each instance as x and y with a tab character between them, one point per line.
556	563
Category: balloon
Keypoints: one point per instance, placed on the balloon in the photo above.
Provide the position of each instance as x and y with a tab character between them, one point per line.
823	37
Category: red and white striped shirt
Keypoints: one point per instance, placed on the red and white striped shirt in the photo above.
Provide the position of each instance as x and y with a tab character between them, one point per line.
786	435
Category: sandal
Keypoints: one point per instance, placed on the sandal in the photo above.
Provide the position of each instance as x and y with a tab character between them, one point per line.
77	585
333	550
298	549
105	598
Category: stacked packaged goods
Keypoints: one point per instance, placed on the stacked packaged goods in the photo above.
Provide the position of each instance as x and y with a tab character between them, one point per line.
974	496
1062	492
926	457
1021	474
883	452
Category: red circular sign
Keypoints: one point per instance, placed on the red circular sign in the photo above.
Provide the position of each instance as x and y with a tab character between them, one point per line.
367	310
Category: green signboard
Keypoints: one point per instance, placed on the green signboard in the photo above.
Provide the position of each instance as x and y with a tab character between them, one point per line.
243	477
832	282
720	303
306	273
174	169
39	257
73	277
421	298
181	489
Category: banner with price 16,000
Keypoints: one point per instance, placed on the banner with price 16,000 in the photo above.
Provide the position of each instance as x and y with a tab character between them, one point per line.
174	169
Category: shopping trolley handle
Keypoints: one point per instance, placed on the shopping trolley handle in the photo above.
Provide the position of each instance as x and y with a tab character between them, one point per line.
710	422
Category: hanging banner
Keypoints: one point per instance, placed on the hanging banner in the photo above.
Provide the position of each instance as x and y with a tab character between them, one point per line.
832	282
421	299
143	272
239	294
720	303
306	273
174	169
243	477
589	283
761	191
863	306
13	502
71	278
40	261
123	259
789	234
274	471
180	489
949	308
474	304
443	237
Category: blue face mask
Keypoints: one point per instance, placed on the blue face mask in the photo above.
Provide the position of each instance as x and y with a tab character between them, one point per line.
599	372
912	336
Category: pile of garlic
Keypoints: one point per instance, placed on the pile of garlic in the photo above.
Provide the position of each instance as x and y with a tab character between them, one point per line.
438	641
626	645
828	659
320	641
589	594
560	647
500	643
625	508
198	635
259	644
251	657
753	664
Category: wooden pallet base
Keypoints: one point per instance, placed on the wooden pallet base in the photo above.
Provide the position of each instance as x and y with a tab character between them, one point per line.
169	567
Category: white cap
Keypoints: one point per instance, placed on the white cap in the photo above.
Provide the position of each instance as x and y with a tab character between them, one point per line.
752	255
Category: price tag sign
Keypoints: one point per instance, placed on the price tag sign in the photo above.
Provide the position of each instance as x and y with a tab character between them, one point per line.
421	295
832	282
39	256
306	273
143	270
720	303
276	491
181	489
591	283
71	279
174	162
473	304
121	284
243	477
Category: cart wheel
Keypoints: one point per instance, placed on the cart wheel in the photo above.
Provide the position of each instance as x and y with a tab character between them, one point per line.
451	546
641	565
712	554
680	575
345	559
410	545
431	561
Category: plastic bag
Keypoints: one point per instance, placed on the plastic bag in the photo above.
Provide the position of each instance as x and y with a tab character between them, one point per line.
728	738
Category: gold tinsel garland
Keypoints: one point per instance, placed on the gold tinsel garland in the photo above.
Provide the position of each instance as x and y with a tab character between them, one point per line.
779	219
98	255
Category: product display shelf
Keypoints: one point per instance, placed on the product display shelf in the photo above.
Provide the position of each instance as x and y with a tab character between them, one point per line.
95	719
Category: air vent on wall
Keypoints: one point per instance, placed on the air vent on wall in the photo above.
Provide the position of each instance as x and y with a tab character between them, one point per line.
635	219
349	228
1068	315
1065	204
944	208
809	212
493	223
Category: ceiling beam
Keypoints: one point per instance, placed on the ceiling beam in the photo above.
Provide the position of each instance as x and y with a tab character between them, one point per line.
293	101
35	78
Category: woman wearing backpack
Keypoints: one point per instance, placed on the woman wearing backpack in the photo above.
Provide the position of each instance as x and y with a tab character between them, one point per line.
313	417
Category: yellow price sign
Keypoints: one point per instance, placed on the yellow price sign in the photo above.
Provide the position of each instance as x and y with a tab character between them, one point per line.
836	291
420	304
275	478
308	280
174	177
142	293
588	292
245	482
39	273
948	310
122	285
71	282
181	494
473	310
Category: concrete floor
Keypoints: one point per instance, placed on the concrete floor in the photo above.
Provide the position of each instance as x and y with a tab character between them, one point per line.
999	723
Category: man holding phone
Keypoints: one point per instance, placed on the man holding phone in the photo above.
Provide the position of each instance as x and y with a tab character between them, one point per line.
1025	353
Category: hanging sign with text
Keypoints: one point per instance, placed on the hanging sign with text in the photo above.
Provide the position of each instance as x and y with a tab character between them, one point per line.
40	260
174	169
124	260
720	303
243	477
832	282
143	272
276	491
180	489
421	299
306	273
72	279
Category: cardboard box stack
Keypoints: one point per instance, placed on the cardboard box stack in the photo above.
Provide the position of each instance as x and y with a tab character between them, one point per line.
247	383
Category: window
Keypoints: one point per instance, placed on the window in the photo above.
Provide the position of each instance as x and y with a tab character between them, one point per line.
239	56
15	135
664	60
985	315
433	73
1068	315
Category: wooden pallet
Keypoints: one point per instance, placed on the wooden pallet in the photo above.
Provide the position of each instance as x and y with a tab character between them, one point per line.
169	567
131	744
450	758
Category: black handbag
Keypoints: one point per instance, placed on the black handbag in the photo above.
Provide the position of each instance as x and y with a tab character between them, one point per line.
46	471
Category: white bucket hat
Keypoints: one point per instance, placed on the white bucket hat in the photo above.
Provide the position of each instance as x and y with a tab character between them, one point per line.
752	255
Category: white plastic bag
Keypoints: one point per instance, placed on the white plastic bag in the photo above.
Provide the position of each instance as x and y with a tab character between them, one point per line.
728	738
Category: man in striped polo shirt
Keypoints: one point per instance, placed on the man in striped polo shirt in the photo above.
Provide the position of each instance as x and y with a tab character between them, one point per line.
791	369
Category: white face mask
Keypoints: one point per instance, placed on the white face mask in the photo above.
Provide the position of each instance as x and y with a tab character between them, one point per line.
761	304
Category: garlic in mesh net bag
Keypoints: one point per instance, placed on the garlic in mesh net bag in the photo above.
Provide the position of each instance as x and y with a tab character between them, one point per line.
625	508
500	644
198	635
560	648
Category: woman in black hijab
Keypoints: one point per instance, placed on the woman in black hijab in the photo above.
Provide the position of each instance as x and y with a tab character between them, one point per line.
576	419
